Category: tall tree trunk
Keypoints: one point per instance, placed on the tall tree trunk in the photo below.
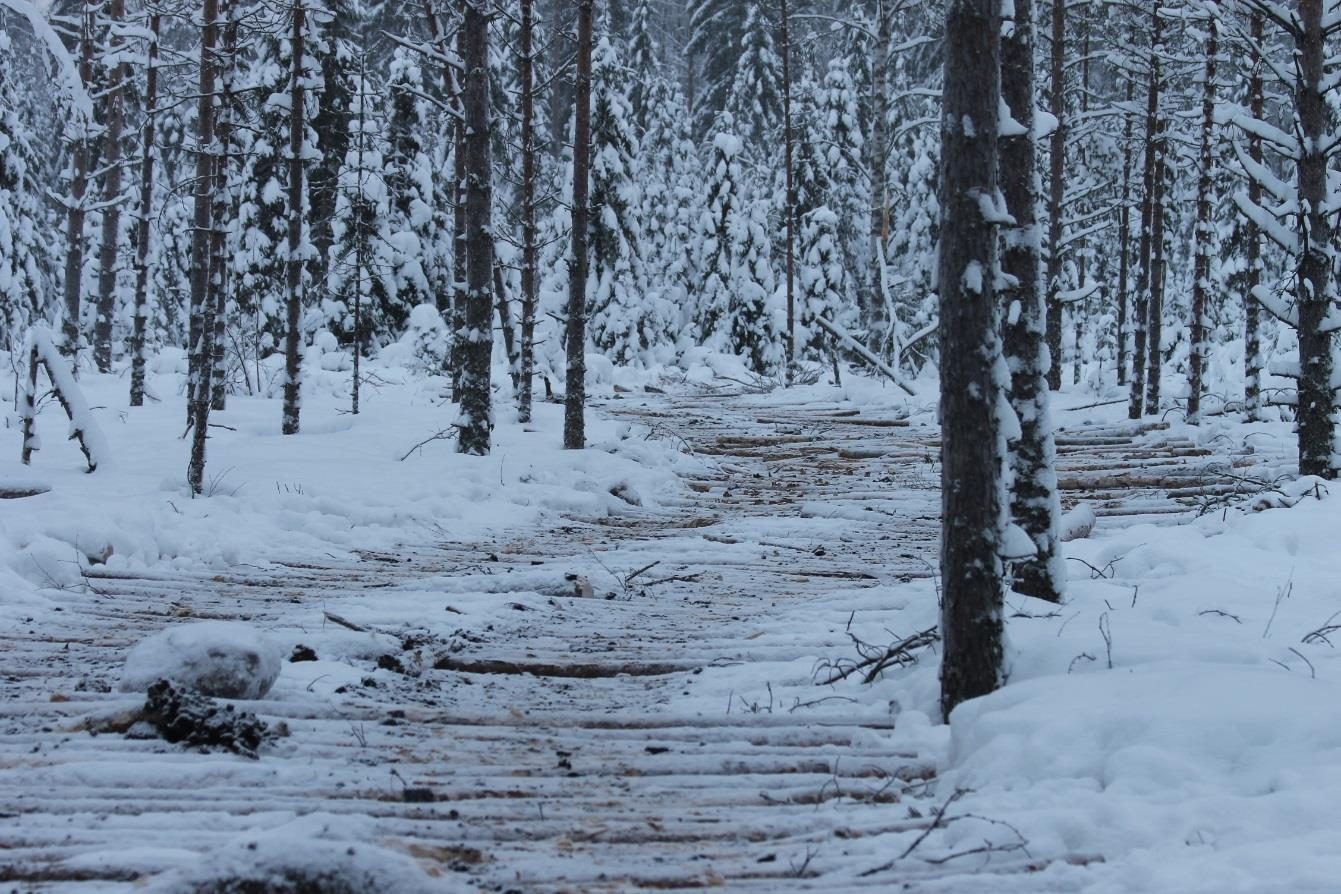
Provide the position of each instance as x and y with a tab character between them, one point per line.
1315	282
972	447
526	75
1158	269
1201	265
1148	188
459	226
878	311
478	336
223	203
76	210
109	250
1124	244
1056	190
144	224
575	384
789	211
1035	506
198	387
293	336
1252	339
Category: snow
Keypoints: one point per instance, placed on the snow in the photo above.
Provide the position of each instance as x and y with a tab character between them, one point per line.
221	659
319	852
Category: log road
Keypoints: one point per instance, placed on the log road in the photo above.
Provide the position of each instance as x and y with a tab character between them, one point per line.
561	748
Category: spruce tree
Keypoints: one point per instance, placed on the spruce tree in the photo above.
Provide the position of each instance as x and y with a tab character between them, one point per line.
715	264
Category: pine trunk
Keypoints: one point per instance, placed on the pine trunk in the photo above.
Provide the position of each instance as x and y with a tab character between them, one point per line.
1124	246
575	385
1315	275
223	210
1252	351
526	75
971	445
109	250
459	222
789	211
1148	188
1034	503
1201	265
144	224
77	212
1056	191
477	338
293	357
202	310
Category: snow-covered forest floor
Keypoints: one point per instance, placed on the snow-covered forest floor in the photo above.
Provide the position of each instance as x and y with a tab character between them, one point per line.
605	670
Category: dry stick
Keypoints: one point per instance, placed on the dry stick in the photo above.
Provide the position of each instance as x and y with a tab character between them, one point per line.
935	824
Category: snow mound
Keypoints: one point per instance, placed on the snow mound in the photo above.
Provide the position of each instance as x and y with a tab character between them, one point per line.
280	864
221	659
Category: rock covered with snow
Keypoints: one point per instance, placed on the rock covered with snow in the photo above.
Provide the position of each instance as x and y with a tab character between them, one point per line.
221	659
282	864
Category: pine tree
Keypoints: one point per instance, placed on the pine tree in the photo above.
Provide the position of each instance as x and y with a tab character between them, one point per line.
416	225
477	335
623	323
26	257
575	329
754	331
755	100
715	264
822	281
972	446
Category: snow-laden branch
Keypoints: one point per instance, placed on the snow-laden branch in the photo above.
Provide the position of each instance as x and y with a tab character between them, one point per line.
83	103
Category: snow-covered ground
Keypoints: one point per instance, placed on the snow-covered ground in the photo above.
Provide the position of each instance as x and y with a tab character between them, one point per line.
1175	726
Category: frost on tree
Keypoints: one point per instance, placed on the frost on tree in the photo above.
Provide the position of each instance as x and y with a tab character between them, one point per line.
755	100
822	283
715	263
624	322
1034	503
972	371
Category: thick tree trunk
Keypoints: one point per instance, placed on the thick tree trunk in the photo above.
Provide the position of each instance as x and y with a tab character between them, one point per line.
1201	265
109	250
1315	283
1158	265
76	211
878	310
1252	352
526	75
575	385
1034	503
478	337
971	444
789	210
198	387
1149	178
1056	191
293	336
144	224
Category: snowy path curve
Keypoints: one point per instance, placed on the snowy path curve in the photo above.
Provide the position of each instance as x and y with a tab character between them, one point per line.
634	712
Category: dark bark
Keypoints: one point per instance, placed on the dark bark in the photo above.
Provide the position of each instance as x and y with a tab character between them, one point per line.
1155	308
1252	354
1201	265
877	308
293	336
971	447
144	224
459	223
109	250
1056	190
199	384
789	211
76	211
1315	281
477	338
223	210
1124	245
1150	166
1034	503
526	77
575	397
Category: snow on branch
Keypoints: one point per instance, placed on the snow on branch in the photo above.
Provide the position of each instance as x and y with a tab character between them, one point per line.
1266	222
83	103
40	349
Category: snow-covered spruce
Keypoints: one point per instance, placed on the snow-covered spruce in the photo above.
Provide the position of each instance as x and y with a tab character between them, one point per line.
221	659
